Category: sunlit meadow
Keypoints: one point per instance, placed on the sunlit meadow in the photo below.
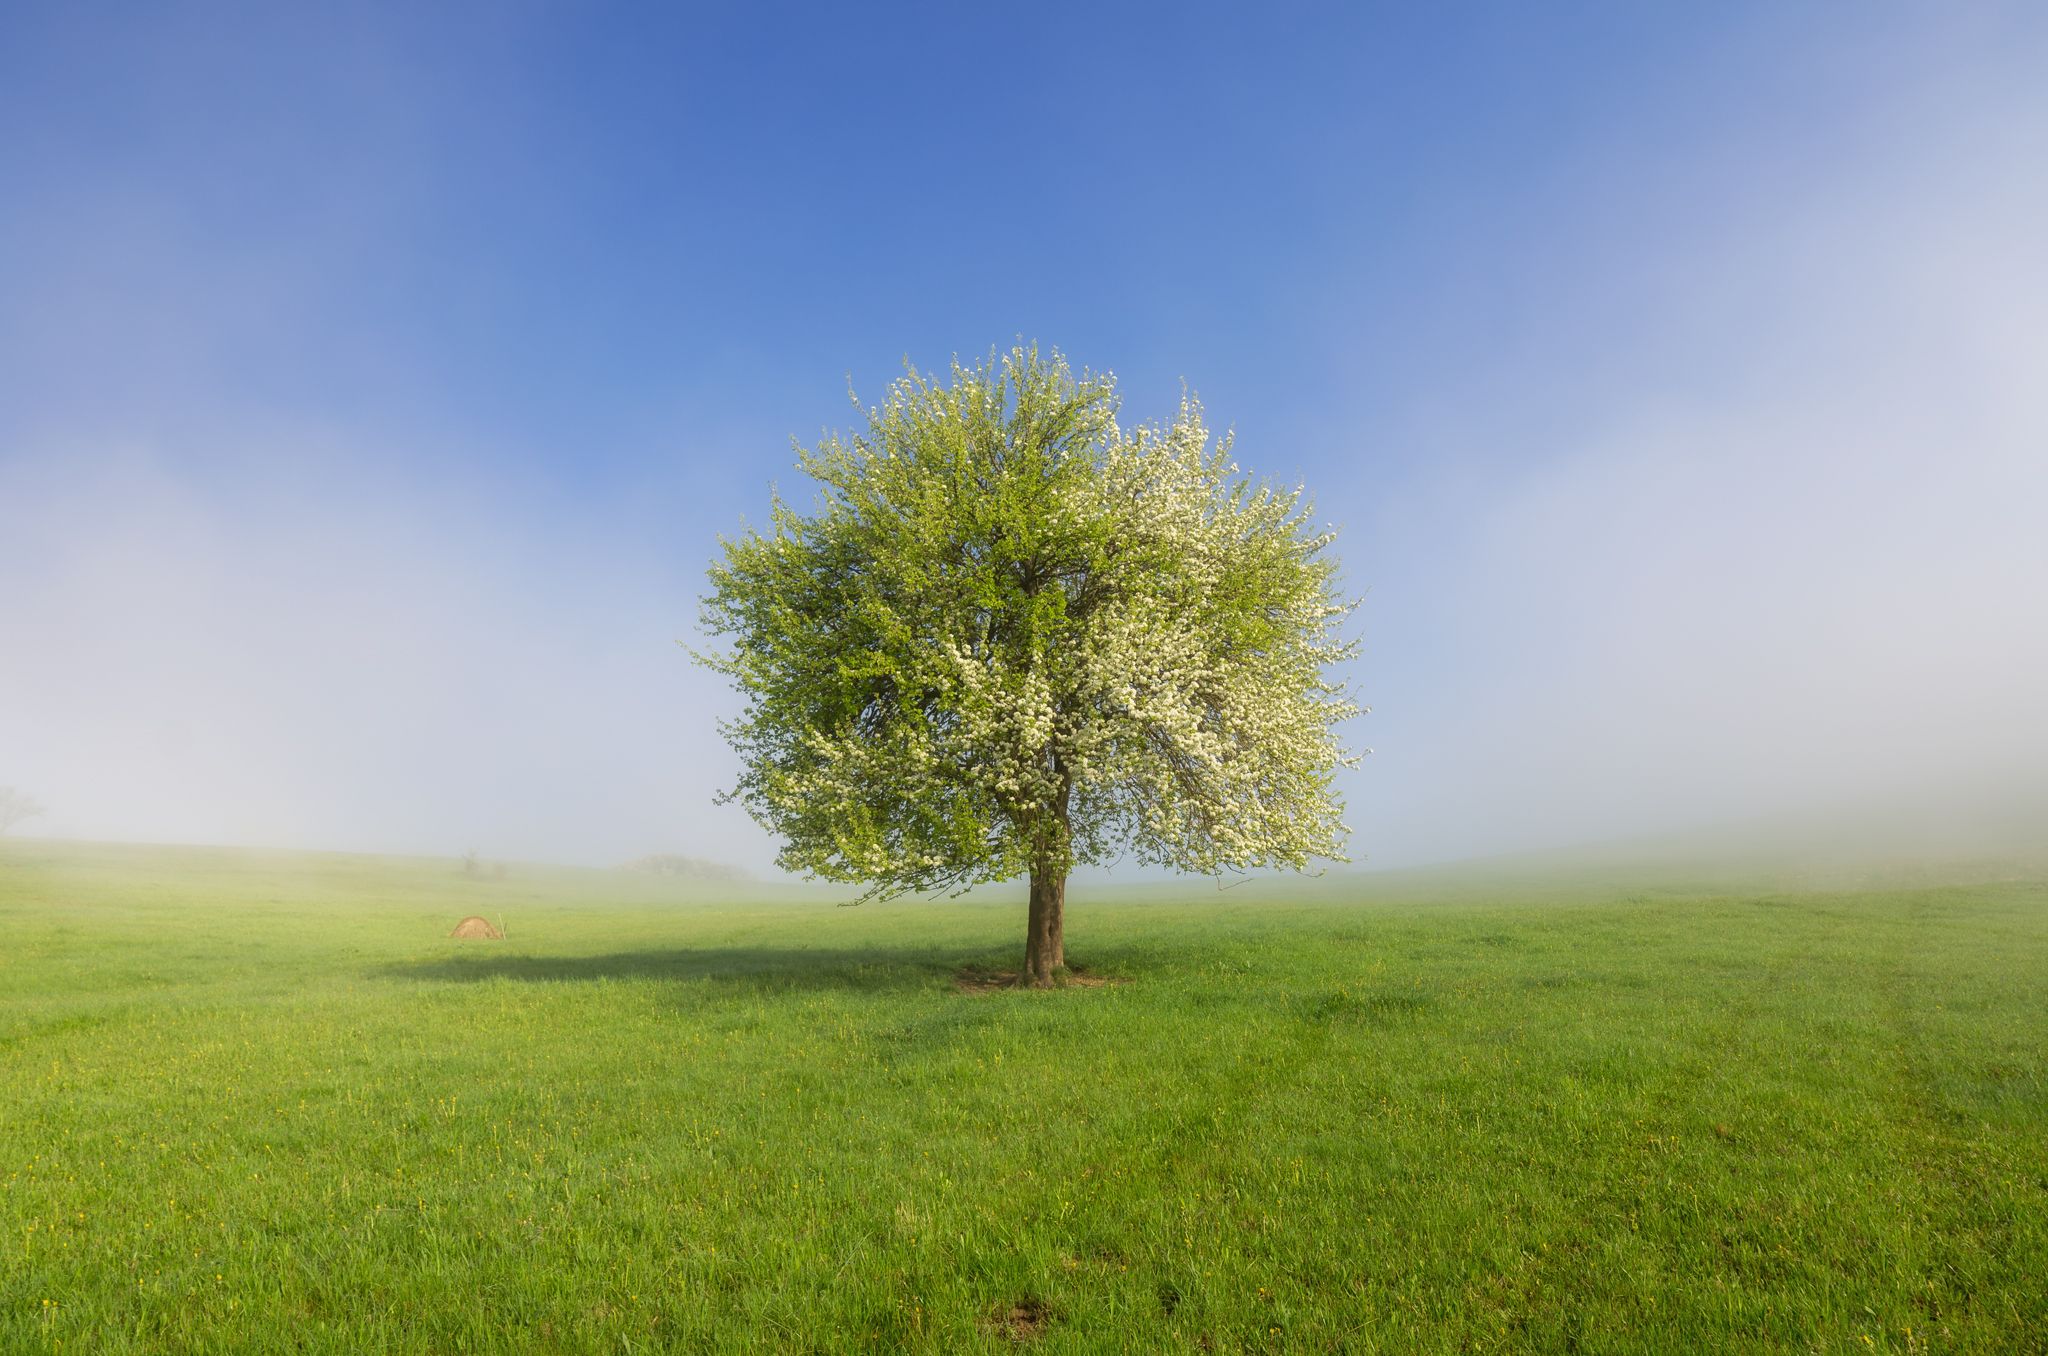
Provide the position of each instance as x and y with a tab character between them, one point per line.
262	1101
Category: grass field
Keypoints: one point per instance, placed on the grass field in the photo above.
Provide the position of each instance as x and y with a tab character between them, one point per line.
260	1102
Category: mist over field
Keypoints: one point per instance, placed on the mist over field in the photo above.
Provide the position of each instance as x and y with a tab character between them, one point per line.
1711	495
377	383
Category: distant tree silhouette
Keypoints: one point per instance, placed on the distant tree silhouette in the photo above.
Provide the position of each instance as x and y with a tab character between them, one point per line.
16	806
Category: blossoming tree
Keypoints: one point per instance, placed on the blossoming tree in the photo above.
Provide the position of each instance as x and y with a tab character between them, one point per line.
1015	636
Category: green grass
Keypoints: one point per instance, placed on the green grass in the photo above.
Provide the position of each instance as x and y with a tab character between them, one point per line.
260	1102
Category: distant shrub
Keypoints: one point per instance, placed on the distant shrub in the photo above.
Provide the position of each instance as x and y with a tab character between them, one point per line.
694	868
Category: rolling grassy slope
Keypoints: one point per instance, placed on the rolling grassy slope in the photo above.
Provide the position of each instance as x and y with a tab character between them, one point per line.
260	1102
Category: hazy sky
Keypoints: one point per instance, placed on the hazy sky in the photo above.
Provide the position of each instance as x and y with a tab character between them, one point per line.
373	385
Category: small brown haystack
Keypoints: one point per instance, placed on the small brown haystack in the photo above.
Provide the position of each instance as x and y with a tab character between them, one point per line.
477	928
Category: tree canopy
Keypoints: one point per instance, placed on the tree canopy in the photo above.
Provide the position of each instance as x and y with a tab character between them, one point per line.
1013	636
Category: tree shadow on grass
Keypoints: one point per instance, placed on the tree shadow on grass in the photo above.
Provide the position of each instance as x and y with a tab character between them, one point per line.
765	968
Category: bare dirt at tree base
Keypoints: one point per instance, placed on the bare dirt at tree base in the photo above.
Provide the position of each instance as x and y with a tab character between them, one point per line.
981	979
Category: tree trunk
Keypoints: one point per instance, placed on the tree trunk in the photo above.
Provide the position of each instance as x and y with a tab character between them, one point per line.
1045	932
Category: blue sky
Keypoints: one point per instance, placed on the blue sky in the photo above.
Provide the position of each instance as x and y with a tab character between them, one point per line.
378	380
